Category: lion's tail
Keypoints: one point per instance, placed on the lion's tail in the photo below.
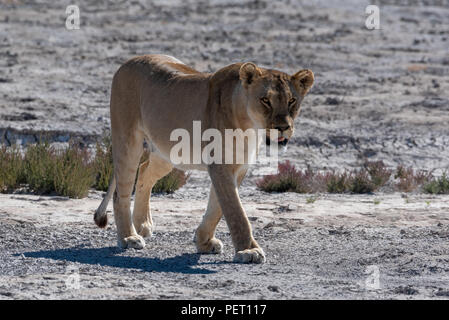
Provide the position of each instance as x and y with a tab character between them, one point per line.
100	217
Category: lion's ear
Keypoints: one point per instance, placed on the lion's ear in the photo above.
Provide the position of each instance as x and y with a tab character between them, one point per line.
248	73
304	80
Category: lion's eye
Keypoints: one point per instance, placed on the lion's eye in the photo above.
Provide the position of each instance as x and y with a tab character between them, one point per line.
265	101
292	101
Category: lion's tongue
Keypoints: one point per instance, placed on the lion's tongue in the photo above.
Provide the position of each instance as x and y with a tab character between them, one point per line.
280	139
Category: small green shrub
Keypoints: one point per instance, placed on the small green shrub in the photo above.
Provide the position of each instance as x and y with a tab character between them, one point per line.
66	172
311	200
438	185
378	172
103	164
361	182
73	174
39	165
171	182
11	168
338	183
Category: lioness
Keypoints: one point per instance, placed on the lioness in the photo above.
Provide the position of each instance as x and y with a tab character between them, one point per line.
153	95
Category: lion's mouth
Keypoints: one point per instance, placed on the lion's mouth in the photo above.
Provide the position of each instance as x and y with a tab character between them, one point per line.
282	141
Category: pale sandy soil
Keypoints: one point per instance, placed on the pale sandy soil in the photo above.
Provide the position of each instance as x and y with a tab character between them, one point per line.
323	249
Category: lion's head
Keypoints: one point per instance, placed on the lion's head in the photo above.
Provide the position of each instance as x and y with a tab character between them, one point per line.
274	98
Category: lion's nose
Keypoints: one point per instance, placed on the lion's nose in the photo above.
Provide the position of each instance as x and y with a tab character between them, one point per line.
283	127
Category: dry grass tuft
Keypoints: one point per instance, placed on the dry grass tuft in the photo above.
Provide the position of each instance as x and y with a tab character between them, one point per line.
68	172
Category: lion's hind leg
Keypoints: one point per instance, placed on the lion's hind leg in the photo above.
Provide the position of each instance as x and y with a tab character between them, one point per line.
127	149
150	172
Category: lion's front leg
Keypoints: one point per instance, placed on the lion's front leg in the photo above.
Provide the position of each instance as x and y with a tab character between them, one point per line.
204	239
225	181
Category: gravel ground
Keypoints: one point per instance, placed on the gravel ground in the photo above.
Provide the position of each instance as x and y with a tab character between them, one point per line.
338	247
379	95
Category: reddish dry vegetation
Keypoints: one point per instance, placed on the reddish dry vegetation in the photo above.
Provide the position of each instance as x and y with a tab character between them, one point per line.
374	175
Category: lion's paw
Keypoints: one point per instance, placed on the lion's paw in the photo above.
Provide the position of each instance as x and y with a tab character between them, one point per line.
212	246
145	230
135	242
255	255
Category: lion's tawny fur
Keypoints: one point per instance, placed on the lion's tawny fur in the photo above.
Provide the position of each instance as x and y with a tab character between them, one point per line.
153	95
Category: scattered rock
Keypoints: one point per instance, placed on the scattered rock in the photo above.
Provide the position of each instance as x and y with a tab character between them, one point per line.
407	290
442	292
332	101
273	288
24	116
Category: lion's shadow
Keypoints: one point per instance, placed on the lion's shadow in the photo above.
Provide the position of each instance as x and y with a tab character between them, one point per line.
107	256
